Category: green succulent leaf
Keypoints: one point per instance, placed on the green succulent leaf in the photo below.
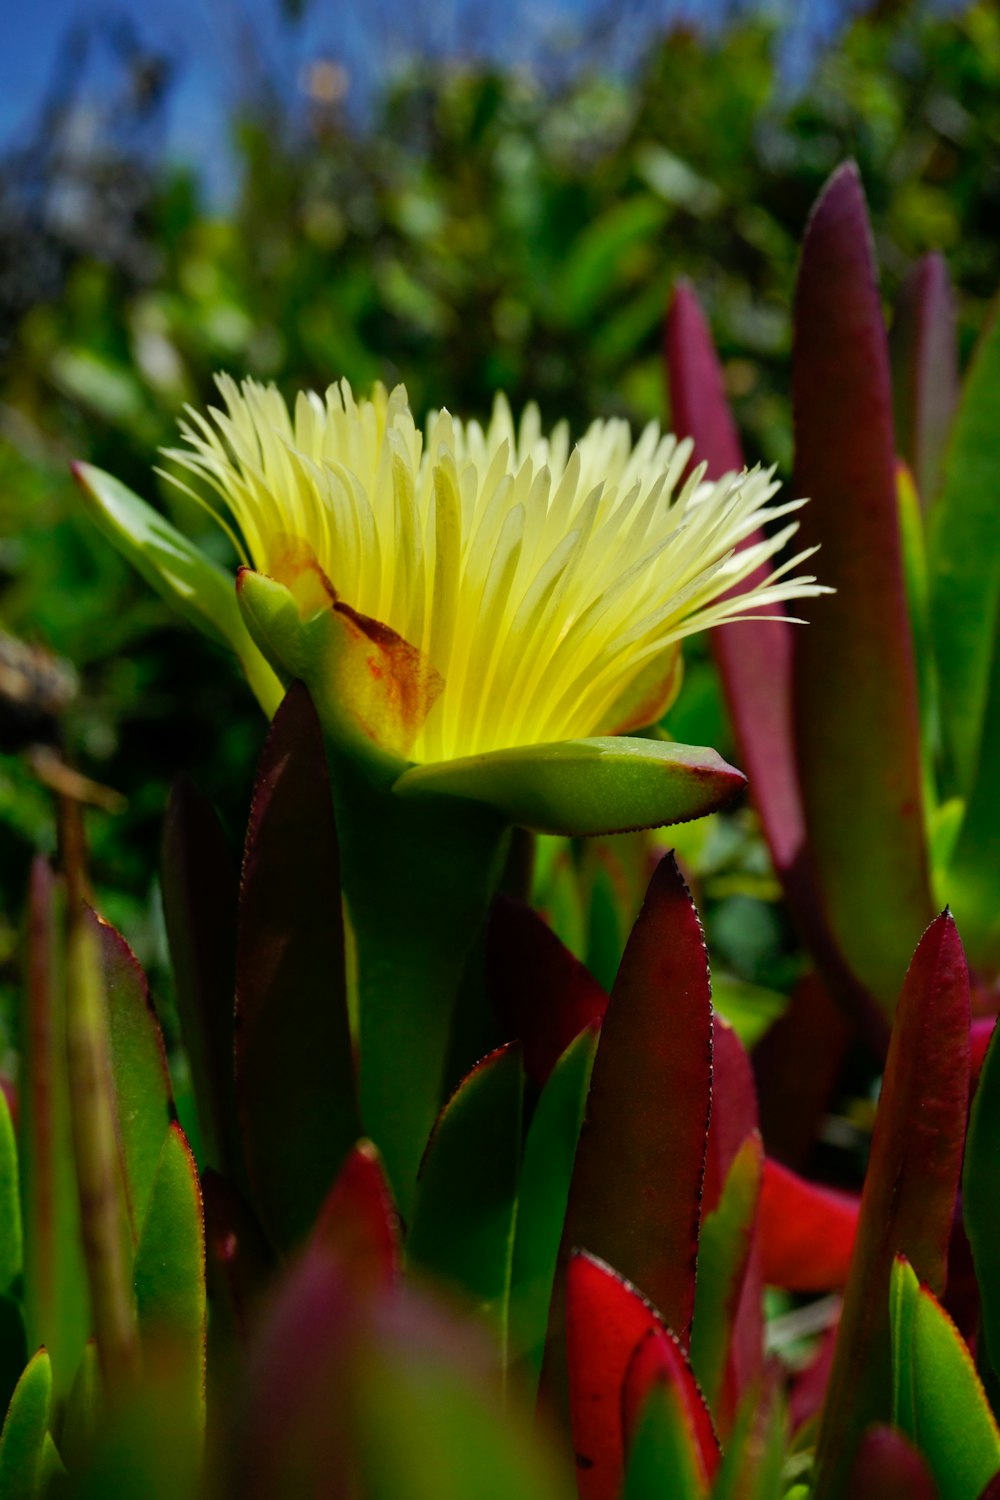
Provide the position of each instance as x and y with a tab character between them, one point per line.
938	1399
908	1202
663	1452
170	1274
723	1250
543	1193
56	1297
23	1440
462	1230
585	786
964	555
980	1201
11	1236
202	592
143	1100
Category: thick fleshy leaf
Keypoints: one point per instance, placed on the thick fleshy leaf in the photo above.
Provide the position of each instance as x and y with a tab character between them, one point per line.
238	1267
143	1445
294	1433
462	1231
143	1100
198	588
25	1429
910	1188
965	562
755	1452
294	1058
724	1248
542	995
659	1361
698	405
808	1392
424	870
734	1121
734	1108
663	1449
606	1320
637	1181
607	1323
938	1399
807	1232
856	712
11	1234
980	1036
797	1067
82	1412
980	1201
755	659
431	1420
888	1467
56	1298
543	1192
200	888
585	786
358	1222
170	1276
924	350
970	878
372	690
101	1163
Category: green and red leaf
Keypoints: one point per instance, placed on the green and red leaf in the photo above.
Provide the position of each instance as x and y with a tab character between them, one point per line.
56	1296
856	711
938	1399
637	1181
358	1222
910	1188
542	995
200	907
924	350
144	1105
294	1057
462	1230
607	1321
755	660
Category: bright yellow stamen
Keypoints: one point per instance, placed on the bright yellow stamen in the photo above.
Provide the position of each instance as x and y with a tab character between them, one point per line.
549	586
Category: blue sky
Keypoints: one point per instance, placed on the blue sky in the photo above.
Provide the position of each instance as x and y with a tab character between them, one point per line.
208	39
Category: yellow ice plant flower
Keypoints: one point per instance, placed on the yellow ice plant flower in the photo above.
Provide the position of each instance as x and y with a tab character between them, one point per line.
543	586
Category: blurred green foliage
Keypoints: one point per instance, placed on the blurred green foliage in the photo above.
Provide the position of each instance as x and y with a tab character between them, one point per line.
483	232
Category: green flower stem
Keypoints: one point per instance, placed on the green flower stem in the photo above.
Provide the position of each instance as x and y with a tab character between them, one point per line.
418	877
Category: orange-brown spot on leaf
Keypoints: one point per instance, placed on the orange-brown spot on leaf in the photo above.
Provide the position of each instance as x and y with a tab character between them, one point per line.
398	687
294	563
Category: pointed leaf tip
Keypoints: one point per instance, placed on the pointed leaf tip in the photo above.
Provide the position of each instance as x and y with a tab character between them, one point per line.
639	1169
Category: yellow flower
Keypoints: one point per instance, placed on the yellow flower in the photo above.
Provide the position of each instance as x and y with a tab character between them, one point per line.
543	588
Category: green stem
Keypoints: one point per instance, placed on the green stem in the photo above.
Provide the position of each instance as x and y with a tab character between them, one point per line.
418	879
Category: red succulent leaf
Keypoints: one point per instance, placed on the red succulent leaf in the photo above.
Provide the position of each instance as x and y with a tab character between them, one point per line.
607	1321
358	1221
856	714
659	1359
542	995
637	1180
888	1467
908	1202
924	349
807	1232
